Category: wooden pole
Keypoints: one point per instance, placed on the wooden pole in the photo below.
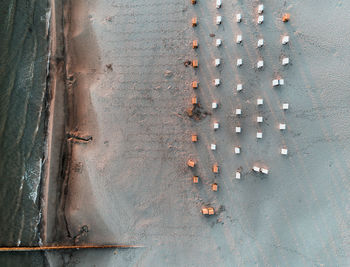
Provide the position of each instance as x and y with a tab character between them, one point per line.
2	249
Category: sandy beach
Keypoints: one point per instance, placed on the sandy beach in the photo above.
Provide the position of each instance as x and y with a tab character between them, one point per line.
122	101
56	142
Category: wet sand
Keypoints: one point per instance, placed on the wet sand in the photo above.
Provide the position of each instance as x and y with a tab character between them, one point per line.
130	90
51	185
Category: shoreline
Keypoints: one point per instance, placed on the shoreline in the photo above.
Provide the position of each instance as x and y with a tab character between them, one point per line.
67	115
56	124
82	63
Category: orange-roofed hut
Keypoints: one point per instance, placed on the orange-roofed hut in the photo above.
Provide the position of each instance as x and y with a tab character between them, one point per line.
215	168
191	163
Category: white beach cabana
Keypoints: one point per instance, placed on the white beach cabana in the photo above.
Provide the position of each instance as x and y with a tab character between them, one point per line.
259	135
264	171
284	151
238	175
237	150
256	168
282	126
285	39
260	8
285	61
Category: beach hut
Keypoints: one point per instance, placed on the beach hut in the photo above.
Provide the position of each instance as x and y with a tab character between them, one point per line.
256	168
285	106
277	82
239	39
195	63
259	119
194	22
215	168
286	17
216	125
261	9
211	211
213	147
239	87
238	18
205	211
218	4
193	2
282	126
237	150
239	62
208	211
218	42
285	61
195	44
191	163
218	20
259	135
195	179
284	151
260	64
260	101
264	171
238	111
194	138
217	82
260	19
214	105
217	62
238	175
260	43
194	101
285	39
238	129
194	84
214	187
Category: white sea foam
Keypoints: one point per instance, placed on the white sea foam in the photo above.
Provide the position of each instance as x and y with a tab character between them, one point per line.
48	19
32	177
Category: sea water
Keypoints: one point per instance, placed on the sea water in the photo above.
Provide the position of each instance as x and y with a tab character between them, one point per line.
23	72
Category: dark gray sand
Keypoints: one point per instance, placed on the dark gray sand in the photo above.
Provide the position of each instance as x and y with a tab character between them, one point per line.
131	185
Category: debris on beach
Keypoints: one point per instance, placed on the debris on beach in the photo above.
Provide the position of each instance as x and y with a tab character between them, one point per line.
168	74
76	137
109	67
187	63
